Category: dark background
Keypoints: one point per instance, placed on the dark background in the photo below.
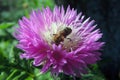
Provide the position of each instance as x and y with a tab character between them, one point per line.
107	16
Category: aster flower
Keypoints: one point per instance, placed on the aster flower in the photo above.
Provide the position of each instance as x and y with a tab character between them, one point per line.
61	41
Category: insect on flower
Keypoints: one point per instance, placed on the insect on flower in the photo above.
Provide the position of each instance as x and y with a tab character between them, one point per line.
59	37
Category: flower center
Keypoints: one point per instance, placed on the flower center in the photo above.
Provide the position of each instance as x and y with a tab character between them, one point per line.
61	34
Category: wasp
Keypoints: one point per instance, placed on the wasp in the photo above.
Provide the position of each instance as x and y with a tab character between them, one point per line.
61	35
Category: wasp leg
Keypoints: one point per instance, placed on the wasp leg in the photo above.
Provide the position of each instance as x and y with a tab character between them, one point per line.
54	34
69	39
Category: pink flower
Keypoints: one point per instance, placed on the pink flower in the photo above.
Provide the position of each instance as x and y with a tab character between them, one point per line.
62	42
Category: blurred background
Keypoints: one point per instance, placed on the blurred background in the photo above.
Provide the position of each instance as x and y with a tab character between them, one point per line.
106	13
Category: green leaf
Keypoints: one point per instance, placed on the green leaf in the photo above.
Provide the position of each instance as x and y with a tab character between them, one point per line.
6	25
3	75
